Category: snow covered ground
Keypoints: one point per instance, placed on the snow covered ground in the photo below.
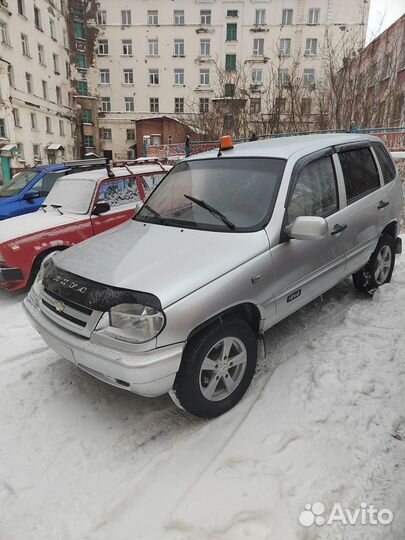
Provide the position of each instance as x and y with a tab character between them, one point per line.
324	421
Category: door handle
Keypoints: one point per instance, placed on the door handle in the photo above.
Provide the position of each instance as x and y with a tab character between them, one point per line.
382	204
338	228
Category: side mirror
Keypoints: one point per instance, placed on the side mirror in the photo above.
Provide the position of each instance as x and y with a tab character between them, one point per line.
308	228
30	195
101	208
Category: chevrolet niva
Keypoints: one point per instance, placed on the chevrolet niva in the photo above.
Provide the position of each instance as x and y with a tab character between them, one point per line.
227	245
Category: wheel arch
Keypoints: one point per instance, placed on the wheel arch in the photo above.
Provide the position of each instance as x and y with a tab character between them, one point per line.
391	228
36	263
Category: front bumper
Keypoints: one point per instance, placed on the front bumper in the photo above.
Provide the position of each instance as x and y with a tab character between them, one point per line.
149	373
11	274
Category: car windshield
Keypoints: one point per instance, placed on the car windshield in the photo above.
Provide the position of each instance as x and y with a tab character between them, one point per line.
17	184
72	195
223	194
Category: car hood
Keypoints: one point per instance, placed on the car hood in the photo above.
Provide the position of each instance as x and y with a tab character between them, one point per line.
36	222
168	262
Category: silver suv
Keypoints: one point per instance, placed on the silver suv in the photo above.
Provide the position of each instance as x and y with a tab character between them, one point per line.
227	245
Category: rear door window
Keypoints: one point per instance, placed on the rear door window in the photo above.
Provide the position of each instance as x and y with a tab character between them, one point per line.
315	193
360	173
386	163
120	191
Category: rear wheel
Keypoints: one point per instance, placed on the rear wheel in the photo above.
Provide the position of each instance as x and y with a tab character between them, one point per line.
379	268
216	370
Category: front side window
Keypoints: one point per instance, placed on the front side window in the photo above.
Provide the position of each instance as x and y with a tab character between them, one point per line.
386	163
315	193
241	189
118	192
360	173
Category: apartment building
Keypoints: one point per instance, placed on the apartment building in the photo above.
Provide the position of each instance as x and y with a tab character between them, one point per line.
184	58
36	109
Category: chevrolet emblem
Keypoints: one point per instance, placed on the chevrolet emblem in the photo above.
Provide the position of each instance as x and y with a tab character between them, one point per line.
60	307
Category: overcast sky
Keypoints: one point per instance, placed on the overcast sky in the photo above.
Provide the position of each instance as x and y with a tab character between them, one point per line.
382	14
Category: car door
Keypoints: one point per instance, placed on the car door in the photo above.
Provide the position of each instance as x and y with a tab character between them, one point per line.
122	194
43	186
304	269
356	166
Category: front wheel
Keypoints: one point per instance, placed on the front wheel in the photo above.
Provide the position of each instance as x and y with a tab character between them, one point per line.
379	268
216	370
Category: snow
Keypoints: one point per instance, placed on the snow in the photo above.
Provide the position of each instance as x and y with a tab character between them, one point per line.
324	421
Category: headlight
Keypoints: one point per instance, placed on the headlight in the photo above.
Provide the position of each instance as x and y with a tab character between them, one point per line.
134	323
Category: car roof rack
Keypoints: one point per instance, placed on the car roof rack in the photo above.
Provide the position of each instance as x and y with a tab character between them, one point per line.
101	162
139	161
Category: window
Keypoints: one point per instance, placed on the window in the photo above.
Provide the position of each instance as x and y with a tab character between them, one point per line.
255	105
280	105
118	192
153	47
306	105
20	151
107	134
106	104
258	47
81	62
309	76
204	77
153	76
387	66
178	16
360	173
205	47
129	104
104	76
287	17
229	90
386	164
127	47
283	76
103	47
78	10
65	39
68	70
179	105
4	37
62	7
232	13
179	76
24	45
28	80
16	115
79	30
229	121
260	17
88	141
204	105
56	63
21	7
101	17
82	88
36	151
313	16
58	95
230	62
128	76
52	29
231	32
257	76
311	47
34	121
3	133
205	17
153	18
315	193
41	54
179	47
126	18
285	47
61	128
130	134
37	18
87	115
48	121
154	104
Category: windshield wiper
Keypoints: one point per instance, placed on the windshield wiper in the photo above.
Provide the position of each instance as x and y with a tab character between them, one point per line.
213	211
58	208
43	206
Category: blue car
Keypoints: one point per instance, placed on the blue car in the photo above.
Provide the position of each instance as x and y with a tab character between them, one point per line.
28	189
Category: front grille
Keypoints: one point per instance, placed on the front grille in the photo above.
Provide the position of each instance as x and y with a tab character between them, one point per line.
74	305
63	315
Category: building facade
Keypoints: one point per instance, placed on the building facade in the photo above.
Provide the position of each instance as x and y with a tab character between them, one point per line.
36	107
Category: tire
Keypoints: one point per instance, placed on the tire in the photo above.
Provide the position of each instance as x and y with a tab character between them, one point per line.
228	351
379	268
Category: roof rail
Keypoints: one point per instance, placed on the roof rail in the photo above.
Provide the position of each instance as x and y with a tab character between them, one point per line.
86	162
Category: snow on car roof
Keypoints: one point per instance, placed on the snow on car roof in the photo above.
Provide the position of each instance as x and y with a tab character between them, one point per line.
284	147
102	174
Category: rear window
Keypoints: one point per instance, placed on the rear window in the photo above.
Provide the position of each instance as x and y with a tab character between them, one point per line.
386	163
360	173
